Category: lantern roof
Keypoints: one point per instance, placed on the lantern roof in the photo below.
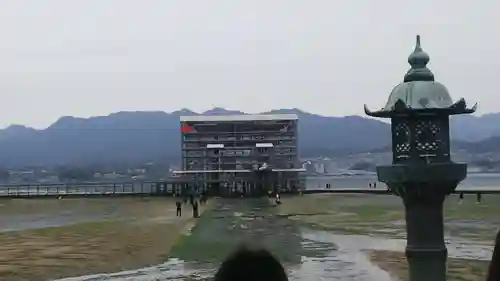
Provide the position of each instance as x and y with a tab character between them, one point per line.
419	93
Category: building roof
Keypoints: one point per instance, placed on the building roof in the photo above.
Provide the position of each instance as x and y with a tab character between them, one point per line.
242	117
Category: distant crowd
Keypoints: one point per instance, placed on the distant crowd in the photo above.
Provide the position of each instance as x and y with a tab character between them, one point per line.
479	197
194	200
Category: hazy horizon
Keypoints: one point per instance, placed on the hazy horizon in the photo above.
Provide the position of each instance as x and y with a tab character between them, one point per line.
92	58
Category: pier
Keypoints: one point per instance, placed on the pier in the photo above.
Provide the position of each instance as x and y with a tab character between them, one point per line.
161	188
94	189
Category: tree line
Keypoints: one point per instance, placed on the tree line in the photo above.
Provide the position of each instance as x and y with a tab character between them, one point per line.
87	172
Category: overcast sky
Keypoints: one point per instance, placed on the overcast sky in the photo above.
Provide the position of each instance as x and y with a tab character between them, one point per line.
94	57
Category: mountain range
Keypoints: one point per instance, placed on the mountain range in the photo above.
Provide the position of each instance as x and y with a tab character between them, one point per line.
155	136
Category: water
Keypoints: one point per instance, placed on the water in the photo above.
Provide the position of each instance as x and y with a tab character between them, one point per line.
357	243
482	181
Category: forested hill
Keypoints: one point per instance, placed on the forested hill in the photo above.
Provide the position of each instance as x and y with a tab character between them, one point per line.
151	136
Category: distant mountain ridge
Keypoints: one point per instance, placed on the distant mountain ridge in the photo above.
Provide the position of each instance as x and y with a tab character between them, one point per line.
155	135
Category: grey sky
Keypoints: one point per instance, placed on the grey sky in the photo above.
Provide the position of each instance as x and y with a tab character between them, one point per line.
94	57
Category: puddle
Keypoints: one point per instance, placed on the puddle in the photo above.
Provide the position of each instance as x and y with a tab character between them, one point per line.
456	248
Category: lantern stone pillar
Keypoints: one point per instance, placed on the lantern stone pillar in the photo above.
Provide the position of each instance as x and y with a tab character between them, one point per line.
422	172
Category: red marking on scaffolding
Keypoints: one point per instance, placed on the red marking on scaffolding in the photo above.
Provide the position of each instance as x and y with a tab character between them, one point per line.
186	128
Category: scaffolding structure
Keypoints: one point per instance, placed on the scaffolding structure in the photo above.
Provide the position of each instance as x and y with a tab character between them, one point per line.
241	154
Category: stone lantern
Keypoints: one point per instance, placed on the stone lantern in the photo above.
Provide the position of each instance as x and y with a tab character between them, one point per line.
422	173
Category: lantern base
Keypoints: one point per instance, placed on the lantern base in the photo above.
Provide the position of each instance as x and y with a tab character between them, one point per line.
423	173
423	188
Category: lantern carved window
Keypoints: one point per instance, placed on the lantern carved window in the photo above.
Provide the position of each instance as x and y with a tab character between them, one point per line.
428	136
402	139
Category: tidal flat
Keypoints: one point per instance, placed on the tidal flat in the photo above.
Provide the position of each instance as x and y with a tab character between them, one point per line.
468	224
334	236
47	239
383	215
458	269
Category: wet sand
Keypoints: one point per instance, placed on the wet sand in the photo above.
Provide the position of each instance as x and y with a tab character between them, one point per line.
458	269
309	249
254	222
326	236
53	239
383	215
470	228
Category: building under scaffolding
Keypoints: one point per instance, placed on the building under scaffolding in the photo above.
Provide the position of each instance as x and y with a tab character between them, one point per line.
240	154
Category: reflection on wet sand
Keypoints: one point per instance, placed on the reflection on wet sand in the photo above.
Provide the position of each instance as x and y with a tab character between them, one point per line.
456	249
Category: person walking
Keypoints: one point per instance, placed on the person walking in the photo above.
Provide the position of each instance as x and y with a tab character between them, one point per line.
478	197
460	198
178	204
270	196
195	209
278	199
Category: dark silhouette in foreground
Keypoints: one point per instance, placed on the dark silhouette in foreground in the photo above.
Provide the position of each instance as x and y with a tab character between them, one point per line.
251	265
494	269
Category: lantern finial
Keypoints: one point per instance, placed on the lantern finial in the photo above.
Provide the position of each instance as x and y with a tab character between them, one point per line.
418	61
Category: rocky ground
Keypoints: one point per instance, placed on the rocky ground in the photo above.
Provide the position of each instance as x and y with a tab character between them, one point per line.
72	237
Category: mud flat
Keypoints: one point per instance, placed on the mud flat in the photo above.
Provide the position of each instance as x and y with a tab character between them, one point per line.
51	239
254	222
383	215
458	269
470	227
